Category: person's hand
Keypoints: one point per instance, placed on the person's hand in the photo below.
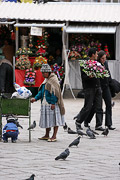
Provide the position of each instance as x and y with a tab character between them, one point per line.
52	106
32	100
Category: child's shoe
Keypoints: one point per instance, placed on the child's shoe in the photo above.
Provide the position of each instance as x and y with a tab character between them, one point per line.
5	141
13	141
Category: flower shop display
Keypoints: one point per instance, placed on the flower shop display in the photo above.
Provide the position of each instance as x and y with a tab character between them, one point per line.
23	51
30	75
39	61
23	62
82	43
93	68
59	71
38	45
74	55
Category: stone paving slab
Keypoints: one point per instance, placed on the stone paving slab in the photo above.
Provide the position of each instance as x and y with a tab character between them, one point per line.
93	159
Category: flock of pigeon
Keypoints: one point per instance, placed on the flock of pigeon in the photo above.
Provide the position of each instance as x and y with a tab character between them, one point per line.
89	132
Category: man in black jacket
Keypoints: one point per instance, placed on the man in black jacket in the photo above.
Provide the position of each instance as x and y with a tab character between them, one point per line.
93	98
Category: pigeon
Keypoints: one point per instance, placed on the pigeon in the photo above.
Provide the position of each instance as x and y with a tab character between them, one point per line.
90	134
65	127
31	177
70	131
105	132
75	142
81	133
63	155
93	131
18	125
32	126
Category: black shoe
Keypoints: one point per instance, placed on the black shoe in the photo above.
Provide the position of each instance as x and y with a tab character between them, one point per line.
111	128
78	126
99	128
75	118
86	125
13	141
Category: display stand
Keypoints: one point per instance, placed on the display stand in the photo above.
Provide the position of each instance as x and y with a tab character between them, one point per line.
66	80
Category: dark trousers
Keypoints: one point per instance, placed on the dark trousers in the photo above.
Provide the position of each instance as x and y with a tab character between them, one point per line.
92	105
106	94
12	135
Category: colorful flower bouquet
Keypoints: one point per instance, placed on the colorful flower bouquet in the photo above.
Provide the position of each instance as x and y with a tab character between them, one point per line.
93	68
23	62
39	61
30	75
74	55
59	71
23	51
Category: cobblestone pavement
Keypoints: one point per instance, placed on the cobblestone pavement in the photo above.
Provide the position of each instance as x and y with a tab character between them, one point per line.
96	159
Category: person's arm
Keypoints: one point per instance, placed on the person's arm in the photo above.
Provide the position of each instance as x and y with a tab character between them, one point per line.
54	99
2	78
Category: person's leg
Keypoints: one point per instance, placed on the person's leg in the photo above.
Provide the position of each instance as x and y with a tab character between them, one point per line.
108	102
98	107
14	136
5	138
88	103
54	132
46	136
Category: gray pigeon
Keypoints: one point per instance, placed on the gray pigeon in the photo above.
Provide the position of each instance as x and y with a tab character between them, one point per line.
31	177
81	133
32	126
70	131
105	132
63	155
75	142
90	134
18	124
93	131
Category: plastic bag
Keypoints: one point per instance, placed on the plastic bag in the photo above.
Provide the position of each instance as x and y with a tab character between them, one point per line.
21	92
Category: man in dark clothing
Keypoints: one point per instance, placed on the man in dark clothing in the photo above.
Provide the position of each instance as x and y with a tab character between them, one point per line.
93	98
6	77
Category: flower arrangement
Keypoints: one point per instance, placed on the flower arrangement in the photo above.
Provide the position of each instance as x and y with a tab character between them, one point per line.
82	43
74	55
23	51
30	75
93	68
59	71
39	61
42	44
23	62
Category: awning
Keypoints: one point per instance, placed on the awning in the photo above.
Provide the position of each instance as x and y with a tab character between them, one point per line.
6	22
91	29
40	25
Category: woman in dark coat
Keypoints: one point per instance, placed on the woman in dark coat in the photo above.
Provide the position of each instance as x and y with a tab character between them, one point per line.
106	94
6	77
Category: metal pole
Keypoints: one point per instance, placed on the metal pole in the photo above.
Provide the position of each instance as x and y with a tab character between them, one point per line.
13	69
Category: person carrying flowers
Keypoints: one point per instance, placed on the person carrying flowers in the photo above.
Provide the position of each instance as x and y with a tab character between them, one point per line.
52	106
93	94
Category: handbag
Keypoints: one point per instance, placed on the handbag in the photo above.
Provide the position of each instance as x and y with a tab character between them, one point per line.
114	86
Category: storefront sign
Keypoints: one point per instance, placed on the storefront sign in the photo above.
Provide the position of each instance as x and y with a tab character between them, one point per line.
36	31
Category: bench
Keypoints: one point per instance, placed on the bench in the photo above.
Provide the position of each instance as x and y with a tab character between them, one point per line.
15	107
